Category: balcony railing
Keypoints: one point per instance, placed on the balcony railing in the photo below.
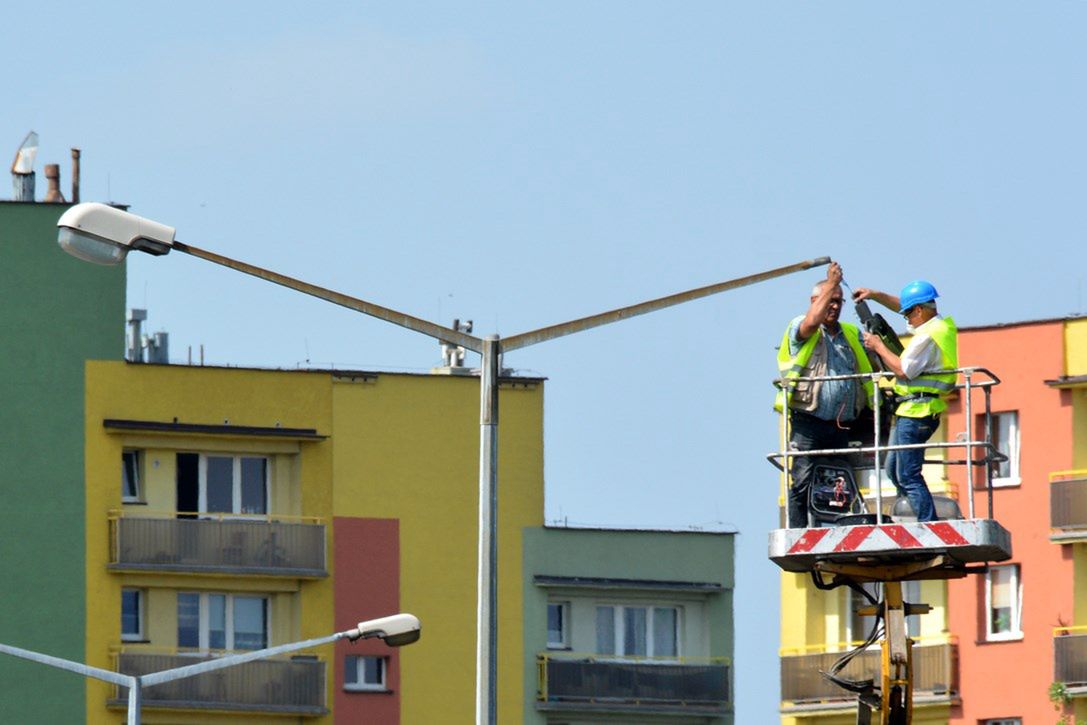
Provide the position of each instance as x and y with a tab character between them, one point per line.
1070	656
935	674
253	545
293	686
1068	504
587	682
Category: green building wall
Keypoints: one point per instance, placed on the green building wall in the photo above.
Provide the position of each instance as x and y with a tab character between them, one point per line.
663	556
55	313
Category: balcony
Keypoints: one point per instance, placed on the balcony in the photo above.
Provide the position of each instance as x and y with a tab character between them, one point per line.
264	545
286	686
935	676
1068	506
695	686
1070	658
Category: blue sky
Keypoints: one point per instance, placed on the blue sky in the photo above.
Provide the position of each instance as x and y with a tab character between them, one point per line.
520	164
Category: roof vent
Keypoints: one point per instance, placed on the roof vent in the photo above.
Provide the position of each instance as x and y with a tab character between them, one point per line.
22	168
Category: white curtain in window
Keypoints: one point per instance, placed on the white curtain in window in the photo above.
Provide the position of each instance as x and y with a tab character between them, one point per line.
605	630
634	631
664	632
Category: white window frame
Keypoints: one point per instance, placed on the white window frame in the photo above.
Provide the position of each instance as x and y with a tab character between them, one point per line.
1004	721
564	615
141	617
850	598
1015	630
204	619
1013	448
617	621
911	592
236	483
136	472
359	684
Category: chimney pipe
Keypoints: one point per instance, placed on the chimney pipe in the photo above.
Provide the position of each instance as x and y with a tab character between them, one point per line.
23	185
75	176
52	176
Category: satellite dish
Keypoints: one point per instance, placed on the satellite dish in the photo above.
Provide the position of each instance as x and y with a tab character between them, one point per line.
24	157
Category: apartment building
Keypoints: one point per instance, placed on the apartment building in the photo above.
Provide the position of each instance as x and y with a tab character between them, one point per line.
55	315
628	626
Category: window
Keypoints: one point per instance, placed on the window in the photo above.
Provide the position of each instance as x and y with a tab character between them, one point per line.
1006	442
860	627
132	615
637	631
365	673
222	484
558	625
1003	603
911	593
1004	721
131	468
221	621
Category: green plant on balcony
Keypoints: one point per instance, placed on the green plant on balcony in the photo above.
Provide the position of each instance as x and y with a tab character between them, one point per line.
1060	697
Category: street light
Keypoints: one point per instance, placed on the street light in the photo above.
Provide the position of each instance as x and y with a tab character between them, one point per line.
397	630
104	234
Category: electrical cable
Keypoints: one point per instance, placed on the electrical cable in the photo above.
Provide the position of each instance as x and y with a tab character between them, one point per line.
858	686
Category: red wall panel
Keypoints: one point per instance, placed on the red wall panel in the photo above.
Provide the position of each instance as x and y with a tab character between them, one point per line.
367	585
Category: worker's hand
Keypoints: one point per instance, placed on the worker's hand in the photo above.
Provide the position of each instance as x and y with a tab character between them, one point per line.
862	293
873	342
834	274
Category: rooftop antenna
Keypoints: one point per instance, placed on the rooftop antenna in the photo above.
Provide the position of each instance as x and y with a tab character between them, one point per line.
22	168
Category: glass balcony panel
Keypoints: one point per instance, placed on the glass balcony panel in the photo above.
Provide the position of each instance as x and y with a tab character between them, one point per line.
294	686
1070	655
593	683
237	546
935	673
1068	505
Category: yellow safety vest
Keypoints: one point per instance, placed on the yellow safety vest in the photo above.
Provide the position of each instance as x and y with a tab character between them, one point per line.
795	367
927	394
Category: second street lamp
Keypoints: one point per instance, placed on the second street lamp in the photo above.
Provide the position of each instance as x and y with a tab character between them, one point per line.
105	234
396	630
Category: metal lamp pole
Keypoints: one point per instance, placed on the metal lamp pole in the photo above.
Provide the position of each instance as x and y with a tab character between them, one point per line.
490	350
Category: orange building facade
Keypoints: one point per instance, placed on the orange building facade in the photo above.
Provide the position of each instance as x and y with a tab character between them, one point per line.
1013	622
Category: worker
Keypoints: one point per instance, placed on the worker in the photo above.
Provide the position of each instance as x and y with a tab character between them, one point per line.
818	344
920	390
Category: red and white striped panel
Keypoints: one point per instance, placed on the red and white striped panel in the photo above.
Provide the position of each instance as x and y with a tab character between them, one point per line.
967	540
939	534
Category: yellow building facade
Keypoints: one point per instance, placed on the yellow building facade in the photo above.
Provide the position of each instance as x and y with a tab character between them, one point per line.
235	509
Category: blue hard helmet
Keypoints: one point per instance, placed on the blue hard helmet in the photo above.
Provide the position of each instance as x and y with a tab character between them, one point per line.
915	293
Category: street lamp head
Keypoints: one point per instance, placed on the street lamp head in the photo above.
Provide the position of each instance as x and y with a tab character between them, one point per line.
104	234
397	630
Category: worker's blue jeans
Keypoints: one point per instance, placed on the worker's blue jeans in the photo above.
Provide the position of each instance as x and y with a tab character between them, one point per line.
904	467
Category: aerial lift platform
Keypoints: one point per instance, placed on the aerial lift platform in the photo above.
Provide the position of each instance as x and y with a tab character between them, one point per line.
852	546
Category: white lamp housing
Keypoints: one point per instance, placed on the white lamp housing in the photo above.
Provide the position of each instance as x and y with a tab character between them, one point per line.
397	630
103	234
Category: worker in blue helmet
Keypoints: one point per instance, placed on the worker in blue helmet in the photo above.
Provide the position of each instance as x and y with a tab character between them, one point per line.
923	382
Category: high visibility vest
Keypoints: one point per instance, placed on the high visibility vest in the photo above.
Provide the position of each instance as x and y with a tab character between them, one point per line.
927	394
796	367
